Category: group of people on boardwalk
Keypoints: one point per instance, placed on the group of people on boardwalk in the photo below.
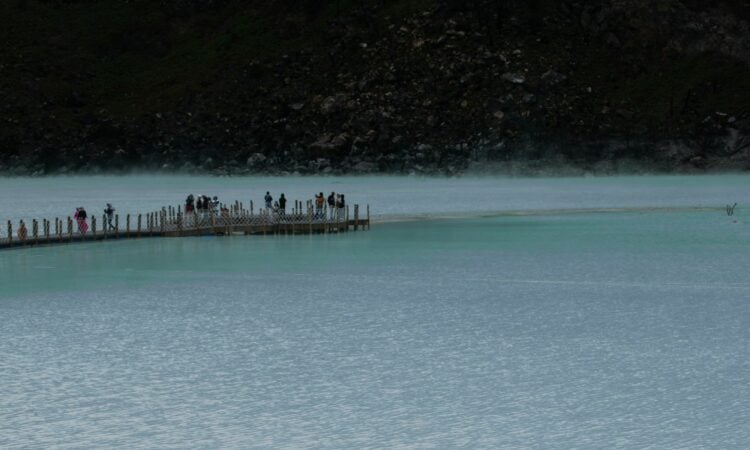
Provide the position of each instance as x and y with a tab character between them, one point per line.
277	207
198	209
81	215
202	204
336	204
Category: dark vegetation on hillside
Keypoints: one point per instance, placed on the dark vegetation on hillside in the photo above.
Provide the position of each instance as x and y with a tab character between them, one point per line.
426	86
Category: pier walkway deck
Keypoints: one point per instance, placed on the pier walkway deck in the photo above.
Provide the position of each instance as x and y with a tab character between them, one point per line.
173	222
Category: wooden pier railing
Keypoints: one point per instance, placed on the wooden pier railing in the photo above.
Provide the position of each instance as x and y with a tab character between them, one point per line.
174	222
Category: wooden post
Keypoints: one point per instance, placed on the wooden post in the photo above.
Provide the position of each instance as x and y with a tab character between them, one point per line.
127	225
70	229
139	225
93	226
368	216
35	230
117	225
251	207
46	230
10	232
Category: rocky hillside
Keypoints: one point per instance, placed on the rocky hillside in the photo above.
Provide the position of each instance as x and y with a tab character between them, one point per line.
441	86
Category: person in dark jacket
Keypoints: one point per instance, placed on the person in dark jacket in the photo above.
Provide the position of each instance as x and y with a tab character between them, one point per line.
109	212
282	205
332	204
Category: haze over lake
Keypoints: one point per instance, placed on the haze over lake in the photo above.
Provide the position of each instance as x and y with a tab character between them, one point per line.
477	312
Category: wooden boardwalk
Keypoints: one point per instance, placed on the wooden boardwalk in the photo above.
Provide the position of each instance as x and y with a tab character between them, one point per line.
173	222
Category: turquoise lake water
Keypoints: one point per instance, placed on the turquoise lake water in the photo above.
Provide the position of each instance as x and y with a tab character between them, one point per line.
479	313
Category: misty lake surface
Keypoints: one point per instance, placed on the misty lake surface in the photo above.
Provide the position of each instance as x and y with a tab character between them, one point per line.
477	313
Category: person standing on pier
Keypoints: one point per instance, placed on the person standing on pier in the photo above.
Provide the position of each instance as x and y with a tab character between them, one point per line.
269	200
282	205
189	204
22	232
340	204
320	201
199	207
332	204
109	211
80	216
190	210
